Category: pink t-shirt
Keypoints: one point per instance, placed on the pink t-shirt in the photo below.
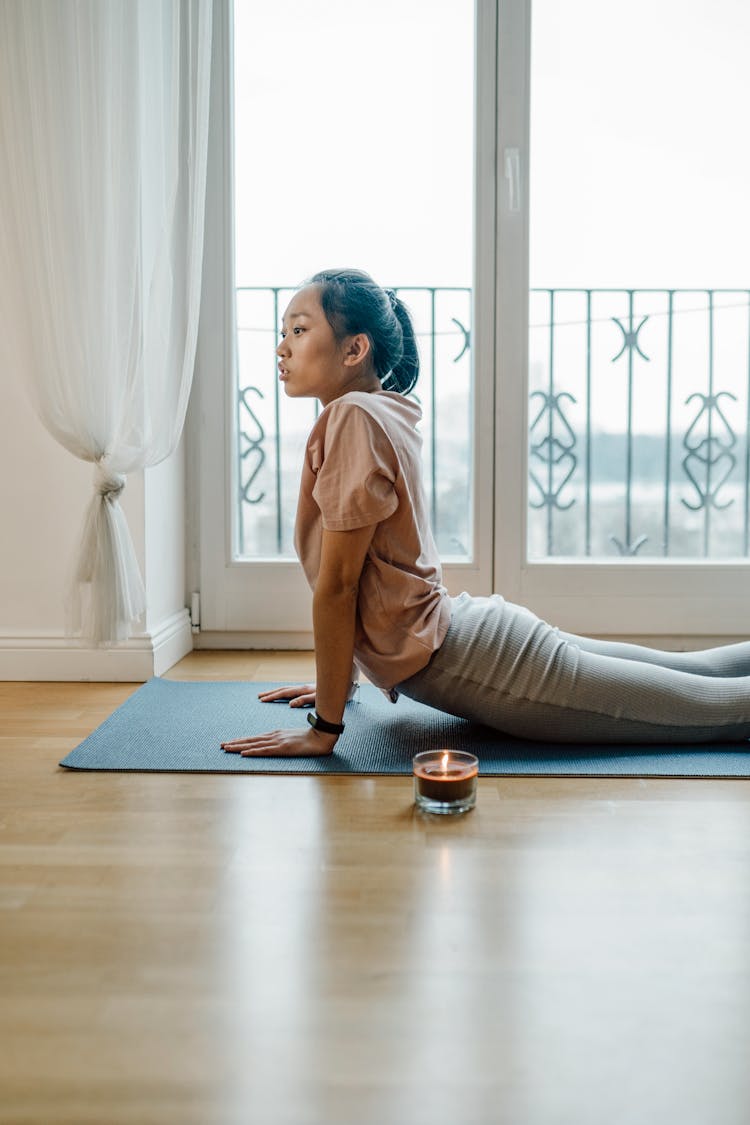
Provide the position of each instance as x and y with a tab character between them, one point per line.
363	466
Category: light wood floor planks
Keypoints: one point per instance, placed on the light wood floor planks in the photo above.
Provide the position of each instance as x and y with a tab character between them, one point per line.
222	950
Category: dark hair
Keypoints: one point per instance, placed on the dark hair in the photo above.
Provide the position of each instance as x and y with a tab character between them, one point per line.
353	303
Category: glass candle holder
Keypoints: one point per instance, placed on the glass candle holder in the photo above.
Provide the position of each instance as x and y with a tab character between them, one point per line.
445	781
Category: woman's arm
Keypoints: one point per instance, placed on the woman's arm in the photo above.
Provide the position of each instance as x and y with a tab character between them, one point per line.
343	555
342	559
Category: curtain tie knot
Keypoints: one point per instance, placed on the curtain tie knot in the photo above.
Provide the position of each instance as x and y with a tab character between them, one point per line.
107	482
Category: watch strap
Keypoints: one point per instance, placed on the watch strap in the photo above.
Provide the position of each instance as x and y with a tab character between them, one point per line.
323	725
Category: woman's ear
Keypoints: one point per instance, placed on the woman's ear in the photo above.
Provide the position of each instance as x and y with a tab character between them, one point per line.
356	349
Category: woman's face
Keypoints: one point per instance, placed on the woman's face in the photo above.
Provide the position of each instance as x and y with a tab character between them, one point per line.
312	362
310	358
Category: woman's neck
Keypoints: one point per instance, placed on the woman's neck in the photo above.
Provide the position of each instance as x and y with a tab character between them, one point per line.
368	383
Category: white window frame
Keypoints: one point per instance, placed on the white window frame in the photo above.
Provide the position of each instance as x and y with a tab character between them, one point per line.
267	603
258	604
667	601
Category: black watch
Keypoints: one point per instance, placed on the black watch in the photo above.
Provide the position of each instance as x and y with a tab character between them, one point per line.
317	723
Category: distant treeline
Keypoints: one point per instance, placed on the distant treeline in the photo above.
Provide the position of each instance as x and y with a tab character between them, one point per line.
648	454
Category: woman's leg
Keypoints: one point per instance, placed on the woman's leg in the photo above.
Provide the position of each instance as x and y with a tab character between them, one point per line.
726	660
502	666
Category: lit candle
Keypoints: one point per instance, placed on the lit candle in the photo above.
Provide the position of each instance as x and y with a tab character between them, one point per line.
445	781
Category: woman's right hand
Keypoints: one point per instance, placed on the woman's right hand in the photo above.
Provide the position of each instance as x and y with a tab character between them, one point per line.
298	695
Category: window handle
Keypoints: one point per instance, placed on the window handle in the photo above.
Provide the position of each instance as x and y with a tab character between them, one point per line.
513	176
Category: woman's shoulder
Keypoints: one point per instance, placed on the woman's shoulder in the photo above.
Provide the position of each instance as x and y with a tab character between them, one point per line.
380	405
384	420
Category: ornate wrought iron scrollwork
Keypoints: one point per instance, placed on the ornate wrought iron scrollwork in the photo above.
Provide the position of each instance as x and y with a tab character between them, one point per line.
630	338
628	550
626	547
251	447
555	453
466	338
706	455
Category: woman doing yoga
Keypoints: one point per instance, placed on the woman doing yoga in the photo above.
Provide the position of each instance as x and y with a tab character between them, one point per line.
364	541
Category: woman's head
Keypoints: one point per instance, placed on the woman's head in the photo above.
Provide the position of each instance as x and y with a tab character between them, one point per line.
354	304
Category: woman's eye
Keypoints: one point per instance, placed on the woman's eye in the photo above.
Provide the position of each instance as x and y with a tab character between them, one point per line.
297	329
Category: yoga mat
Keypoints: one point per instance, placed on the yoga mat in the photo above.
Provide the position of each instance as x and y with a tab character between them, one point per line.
170	725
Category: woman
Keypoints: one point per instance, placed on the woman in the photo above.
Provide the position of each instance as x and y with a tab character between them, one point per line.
364	541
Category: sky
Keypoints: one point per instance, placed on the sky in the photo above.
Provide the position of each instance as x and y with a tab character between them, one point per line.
640	167
354	144
354	140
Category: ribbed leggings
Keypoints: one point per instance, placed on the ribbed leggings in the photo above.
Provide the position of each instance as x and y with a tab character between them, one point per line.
502	666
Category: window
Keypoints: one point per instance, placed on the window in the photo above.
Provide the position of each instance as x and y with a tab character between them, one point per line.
636	251
361	119
543	195
639	251
351	142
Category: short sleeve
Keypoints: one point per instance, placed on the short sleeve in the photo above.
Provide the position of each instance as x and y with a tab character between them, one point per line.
355	478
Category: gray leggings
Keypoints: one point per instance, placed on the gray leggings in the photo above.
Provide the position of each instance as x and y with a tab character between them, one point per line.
502	666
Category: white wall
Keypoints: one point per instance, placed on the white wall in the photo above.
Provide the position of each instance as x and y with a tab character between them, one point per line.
43	495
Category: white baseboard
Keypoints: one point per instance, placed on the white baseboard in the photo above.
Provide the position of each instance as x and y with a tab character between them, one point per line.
281	641
171	641
37	656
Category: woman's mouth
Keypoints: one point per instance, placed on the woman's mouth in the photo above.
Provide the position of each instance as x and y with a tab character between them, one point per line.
283	373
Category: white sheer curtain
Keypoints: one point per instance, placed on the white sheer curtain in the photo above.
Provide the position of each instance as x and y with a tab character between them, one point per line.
103	145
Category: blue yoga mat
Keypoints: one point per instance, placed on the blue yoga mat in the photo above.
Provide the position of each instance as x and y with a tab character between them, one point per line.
170	725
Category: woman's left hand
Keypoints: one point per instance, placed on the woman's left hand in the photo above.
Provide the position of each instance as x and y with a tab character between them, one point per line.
283	744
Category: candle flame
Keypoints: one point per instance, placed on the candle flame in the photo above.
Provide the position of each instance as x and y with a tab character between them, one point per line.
444	763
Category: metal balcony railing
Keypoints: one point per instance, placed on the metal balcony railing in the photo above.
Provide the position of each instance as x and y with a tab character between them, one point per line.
638	421
272	429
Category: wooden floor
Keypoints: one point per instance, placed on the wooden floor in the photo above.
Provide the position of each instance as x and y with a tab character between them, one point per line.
210	949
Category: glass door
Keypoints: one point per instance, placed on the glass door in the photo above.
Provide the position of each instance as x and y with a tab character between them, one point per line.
350	136
628	250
